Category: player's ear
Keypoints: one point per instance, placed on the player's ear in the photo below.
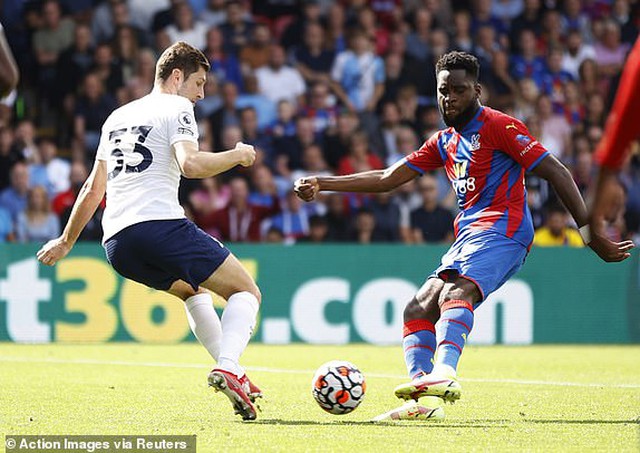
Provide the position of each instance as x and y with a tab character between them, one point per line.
478	89
177	75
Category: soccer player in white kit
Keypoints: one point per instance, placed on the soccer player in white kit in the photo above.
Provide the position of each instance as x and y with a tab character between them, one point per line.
144	147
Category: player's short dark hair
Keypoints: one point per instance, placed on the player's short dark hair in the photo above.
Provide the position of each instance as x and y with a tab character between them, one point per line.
459	60
181	56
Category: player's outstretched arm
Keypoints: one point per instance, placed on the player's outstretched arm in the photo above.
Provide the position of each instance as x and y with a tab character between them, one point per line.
89	198
8	68
562	182
368	181
196	164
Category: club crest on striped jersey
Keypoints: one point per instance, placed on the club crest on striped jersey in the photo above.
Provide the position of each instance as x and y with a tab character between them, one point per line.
475	142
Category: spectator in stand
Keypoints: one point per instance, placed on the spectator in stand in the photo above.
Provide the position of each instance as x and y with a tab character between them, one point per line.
336	140
527	96
556	132
482	15
573	107
407	103
102	23
359	158
527	63
285	124
9	155
386	215
278	81
208	197
215	13
226	116
25	140
107	69
224	65
289	149
338	220
418	40
186	28
256	53
54	36
37	223
503	89
530	19
293	220
590	80
320	109
211	101
14	197
252	135
584	171
406	143
552	33
264	188
358	75
318	230
164	17
595	114
73	64
378	35
313	163
401	69
336	23
385	142
6	226
573	18
50	171
236	30
576	51
554	78
507	10
611	52
431	222
265	108
462	39
364	228
92	109
77	175
312	58
310	13
555	232
240	220
126	49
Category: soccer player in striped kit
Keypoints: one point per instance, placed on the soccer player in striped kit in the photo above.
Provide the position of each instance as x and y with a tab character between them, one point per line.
485	154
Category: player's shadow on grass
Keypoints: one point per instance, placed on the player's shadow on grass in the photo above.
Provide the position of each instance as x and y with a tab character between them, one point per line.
403	424
584	422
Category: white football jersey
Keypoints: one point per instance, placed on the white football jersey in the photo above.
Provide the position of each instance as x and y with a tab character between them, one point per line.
143	173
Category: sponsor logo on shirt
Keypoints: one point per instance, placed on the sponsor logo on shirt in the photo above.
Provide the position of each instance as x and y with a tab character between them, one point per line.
462	184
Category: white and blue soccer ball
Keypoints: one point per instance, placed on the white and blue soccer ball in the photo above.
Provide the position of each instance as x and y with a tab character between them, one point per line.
338	387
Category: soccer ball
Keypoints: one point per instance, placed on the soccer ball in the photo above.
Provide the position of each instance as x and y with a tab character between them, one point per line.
338	387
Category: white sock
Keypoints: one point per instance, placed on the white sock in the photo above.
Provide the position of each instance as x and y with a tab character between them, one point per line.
204	322
238	321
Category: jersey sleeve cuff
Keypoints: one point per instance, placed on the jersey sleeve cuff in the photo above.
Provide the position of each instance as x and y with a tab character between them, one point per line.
413	167
537	161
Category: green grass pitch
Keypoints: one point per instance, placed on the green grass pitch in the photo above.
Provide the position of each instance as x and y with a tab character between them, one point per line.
542	398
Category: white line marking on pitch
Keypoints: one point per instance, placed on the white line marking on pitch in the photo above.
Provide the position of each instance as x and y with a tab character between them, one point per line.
306	372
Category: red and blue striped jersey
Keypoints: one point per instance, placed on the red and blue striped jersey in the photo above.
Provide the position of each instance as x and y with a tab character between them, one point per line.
486	163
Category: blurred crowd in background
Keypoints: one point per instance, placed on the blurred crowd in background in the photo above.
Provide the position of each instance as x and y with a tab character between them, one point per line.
318	87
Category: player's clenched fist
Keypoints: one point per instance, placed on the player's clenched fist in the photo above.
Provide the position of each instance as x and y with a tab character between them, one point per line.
53	251
247	154
306	188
